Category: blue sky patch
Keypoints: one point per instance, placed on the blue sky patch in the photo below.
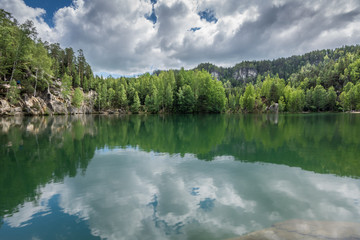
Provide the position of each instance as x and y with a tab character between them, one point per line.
152	17
207	204
208	15
50	7
194	29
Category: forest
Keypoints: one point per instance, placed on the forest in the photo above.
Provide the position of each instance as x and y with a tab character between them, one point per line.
322	80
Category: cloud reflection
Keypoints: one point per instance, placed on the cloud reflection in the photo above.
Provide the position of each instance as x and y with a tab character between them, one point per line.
131	194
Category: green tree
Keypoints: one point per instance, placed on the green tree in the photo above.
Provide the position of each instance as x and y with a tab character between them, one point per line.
247	101
168	98
319	97
41	64
111	98
232	102
186	99
136	103
78	97
296	100
66	85
13	93
152	100
282	104
331	98
122	97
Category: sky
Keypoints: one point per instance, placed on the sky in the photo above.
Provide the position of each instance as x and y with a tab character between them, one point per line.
127	37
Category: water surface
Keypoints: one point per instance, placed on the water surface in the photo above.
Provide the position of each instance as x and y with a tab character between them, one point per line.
175	177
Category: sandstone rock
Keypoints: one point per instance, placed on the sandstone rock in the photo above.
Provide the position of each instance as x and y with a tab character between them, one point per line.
309	230
57	105
5	108
48	103
244	73
273	108
35	106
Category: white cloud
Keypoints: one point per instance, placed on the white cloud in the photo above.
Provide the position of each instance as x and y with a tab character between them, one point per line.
22	12
116	37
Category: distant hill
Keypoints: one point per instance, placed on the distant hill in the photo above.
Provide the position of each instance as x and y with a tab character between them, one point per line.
247	71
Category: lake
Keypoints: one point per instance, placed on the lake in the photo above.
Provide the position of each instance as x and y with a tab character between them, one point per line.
175	177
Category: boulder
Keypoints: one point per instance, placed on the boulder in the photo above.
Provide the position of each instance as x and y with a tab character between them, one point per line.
273	108
57	105
5	108
35	106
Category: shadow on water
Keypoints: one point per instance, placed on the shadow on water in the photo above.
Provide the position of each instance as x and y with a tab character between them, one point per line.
38	150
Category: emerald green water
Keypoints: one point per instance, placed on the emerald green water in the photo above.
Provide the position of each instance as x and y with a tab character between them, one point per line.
175	177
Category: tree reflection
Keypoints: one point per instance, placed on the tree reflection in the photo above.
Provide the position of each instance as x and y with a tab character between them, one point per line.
36	151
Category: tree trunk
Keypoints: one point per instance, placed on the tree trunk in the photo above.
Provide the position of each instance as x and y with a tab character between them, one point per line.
13	70
36	77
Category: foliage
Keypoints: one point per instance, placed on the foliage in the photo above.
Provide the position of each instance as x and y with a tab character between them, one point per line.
34	64
78	97
13	93
247	101
136	103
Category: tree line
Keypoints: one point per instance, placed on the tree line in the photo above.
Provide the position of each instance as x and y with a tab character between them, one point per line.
323	80
30	66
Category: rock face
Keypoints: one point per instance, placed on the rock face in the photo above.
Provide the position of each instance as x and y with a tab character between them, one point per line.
244	73
57	105
274	108
215	75
309	230
35	106
7	109
48	104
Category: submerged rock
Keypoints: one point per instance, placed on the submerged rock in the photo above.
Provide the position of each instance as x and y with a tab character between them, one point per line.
310	230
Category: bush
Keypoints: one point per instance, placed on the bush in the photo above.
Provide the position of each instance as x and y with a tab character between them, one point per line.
78	97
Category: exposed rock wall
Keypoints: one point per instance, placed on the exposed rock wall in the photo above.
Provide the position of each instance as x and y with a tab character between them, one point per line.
244	73
48	104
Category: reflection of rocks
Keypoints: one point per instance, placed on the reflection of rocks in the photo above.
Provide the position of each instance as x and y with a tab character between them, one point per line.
7	123
311	230
39	124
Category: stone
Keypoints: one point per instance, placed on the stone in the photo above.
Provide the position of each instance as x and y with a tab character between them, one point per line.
273	108
5	108
57	105
308	230
35	106
244	73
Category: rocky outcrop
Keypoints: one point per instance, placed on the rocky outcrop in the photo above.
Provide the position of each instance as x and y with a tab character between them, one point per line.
310	230
215	75
274	108
57	105
47	104
7	109
35	106
244	73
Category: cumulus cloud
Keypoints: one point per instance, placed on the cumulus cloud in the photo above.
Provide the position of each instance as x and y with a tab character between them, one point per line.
120	36
22	12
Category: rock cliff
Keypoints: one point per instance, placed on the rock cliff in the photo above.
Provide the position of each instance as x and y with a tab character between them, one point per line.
51	103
